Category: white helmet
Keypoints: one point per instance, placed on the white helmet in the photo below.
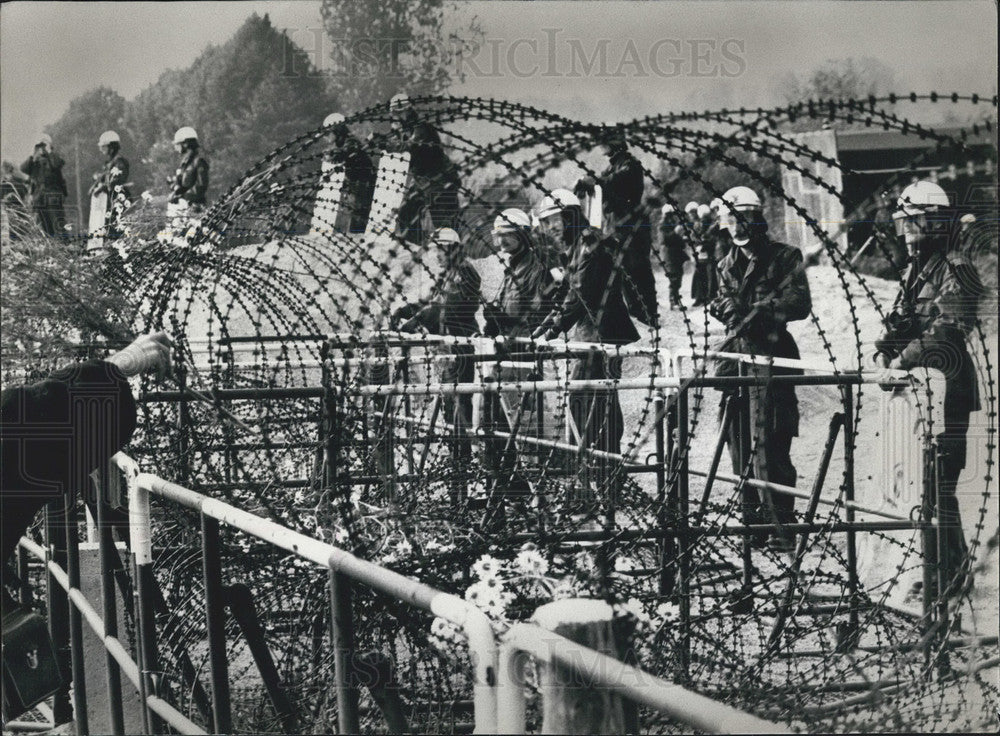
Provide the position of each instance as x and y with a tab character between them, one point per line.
715	204
741	198
667	209
559	200
108	137
334	118
967	219
691	207
704	210
510	221
185	134
399	100
445	236
920	197
44	138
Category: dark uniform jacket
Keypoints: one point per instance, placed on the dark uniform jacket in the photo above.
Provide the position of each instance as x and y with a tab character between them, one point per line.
113	174
776	277
594	303
622	185
191	179
359	179
48	438
527	295
933	316
451	309
45	174
673	246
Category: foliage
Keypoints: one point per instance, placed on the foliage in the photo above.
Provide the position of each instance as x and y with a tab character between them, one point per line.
380	49
238	97
839	79
49	300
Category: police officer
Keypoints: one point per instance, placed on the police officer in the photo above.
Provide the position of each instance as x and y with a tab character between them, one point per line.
433	191
622	185
935	312
704	282
190	182
528	292
595	306
47	185
674	251
450	310
359	171
763	288
112	179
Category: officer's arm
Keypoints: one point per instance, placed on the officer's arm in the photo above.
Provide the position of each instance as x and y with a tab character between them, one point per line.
201	178
26	166
956	304
586	291
793	301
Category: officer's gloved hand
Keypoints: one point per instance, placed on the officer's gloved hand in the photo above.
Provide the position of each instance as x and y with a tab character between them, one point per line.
726	310
400	317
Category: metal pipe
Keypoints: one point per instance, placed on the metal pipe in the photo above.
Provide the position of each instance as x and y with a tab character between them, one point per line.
114	646
58	609
142	572
853	584
109	607
684	551
602	671
75	621
342	636
215	622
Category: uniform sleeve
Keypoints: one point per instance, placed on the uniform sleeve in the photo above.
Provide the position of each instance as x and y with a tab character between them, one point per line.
952	312
592	275
793	301
27	166
200	188
56	432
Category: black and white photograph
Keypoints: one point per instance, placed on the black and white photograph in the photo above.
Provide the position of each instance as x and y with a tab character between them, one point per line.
499	366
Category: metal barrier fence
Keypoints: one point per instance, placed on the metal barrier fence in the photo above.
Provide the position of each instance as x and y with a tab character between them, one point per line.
669	464
346	570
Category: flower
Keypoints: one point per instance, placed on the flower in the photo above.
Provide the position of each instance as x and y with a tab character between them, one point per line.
486	567
634	608
444	634
668	613
404	548
530	561
563	589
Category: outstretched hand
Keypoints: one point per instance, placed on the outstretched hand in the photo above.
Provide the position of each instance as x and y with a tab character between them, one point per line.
146	354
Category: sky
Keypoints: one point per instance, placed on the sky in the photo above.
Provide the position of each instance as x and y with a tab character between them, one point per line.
658	56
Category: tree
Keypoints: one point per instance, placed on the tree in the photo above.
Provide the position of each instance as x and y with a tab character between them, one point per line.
240	99
380	49
842	79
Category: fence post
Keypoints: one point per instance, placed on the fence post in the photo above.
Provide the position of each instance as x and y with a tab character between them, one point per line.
215	620
143	590
75	618
569	704
668	544
684	540
109	608
852	545
342	637
58	609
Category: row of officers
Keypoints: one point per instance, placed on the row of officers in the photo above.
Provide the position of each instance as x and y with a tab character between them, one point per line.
599	283
47	186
